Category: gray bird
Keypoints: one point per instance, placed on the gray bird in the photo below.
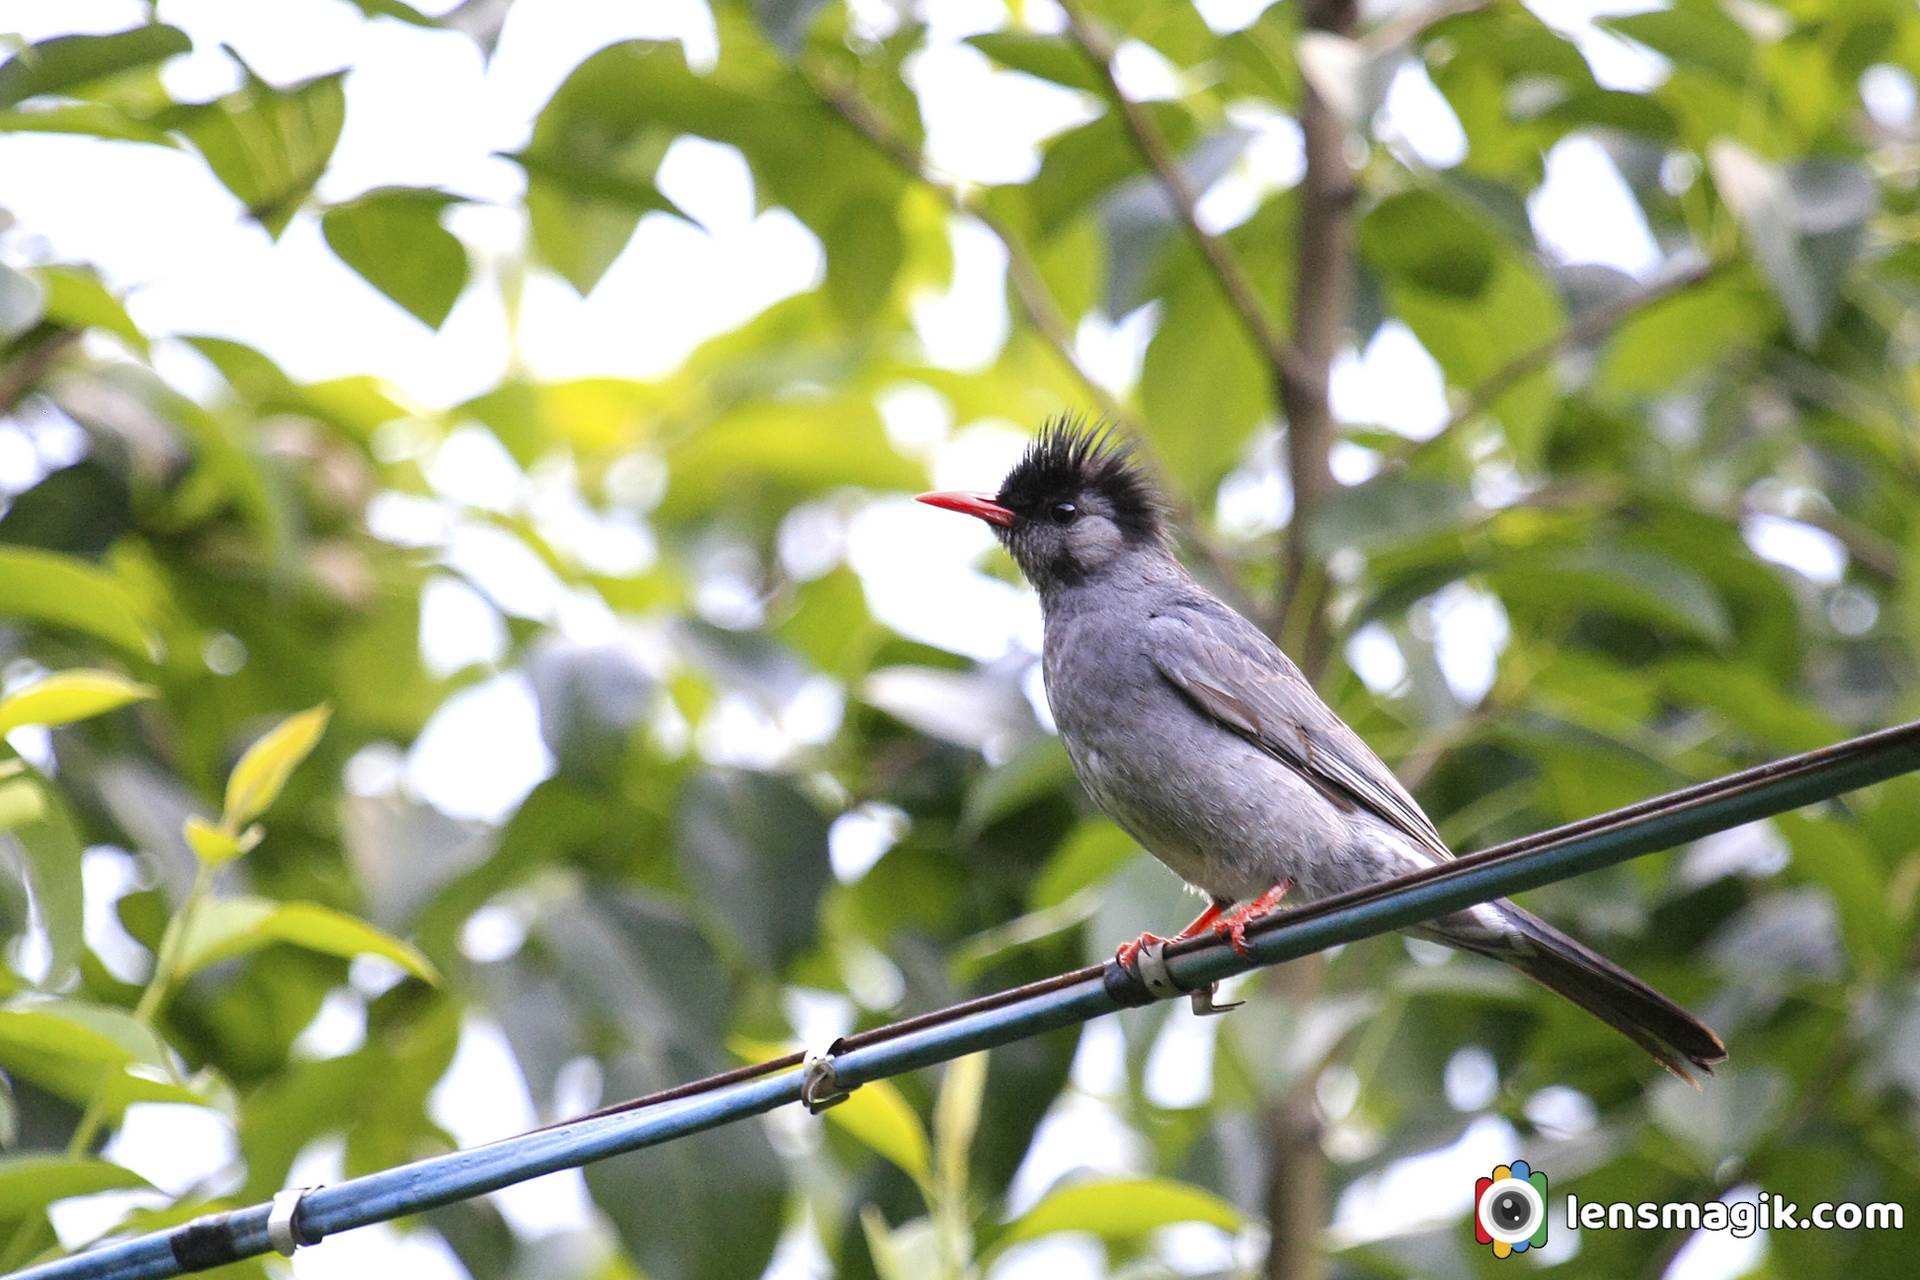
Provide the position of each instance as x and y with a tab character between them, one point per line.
1194	732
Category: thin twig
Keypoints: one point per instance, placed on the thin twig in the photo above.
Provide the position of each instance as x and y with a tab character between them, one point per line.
1036	300
1589	326
1234	279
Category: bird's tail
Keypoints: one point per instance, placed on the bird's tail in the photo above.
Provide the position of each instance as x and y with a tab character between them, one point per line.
1676	1039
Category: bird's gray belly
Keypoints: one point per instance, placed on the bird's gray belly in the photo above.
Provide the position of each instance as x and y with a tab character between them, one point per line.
1226	817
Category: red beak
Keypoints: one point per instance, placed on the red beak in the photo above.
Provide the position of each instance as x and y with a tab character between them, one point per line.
981	505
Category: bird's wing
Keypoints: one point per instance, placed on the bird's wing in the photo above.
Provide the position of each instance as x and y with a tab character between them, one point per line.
1236	676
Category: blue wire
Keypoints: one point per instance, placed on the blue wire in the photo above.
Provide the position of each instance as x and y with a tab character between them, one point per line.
427	1184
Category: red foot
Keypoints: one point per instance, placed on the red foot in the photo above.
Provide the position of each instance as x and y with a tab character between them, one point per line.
1128	952
1233	925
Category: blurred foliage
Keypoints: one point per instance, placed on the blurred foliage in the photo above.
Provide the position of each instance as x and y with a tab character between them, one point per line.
201	563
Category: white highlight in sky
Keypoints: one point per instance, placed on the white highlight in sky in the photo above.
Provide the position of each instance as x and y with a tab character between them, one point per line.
965	326
1375	657
483	1098
1419	115
1814	553
1393	383
1585	212
481	752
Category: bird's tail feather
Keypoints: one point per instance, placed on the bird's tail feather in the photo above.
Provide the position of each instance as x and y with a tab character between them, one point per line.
1676	1039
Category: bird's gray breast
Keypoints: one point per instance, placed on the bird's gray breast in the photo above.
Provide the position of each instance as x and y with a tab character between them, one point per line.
1225	816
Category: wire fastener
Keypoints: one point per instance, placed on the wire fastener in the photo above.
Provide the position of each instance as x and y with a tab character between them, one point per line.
1151	964
819	1087
283	1221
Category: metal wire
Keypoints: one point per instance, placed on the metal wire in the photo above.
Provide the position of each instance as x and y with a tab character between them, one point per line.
1003	1017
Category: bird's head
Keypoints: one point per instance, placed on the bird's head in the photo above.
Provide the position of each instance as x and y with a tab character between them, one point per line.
1071	510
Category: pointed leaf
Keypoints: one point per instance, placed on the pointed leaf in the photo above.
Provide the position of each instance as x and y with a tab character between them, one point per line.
67	696
257	780
267	145
47	587
66	64
31	1181
228	927
956	1117
394	239
878	1116
40	823
215	845
1120	1209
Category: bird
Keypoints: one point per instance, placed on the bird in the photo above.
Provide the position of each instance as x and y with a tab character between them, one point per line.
1190	728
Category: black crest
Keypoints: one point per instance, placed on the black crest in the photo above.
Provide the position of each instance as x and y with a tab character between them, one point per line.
1069	458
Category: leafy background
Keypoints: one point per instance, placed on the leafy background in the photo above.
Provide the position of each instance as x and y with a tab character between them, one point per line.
469	654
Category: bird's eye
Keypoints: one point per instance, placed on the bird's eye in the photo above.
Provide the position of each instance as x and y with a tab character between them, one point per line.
1063	513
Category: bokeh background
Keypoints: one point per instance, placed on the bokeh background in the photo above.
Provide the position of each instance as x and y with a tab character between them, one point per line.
540	384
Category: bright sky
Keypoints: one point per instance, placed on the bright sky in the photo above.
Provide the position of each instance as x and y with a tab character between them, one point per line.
424	109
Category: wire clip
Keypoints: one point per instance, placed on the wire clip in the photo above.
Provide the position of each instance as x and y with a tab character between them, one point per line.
283	1221
1151	964
1202	1000
1157	977
819	1087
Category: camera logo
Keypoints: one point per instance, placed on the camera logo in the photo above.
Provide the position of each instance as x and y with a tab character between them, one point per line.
1510	1209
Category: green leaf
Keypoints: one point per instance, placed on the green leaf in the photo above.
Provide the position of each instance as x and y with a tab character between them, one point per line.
1424	239
69	1048
77	299
956	1118
1092	851
67	696
1039	769
21	802
879	1117
1474	338
85	119
1806	225
66	64
1083	164
44	829
227	927
1204	385
1696	35
215	845
267	145
864	253
1044	57
1686	337
755	849
394	239
1634	584
1120	1209
31	1181
47	587
257	780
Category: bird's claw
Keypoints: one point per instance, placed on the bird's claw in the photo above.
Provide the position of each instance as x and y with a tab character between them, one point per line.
1128	953
1203	1004
1233	925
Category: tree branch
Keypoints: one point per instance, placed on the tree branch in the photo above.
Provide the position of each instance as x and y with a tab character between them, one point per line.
1234	279
1594	323
1036	300
24	374
1024	274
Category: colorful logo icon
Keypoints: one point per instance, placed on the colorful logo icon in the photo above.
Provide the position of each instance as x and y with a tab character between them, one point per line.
1510	1209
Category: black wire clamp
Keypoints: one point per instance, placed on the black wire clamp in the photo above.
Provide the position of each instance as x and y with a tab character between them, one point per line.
283	1221
819	1087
